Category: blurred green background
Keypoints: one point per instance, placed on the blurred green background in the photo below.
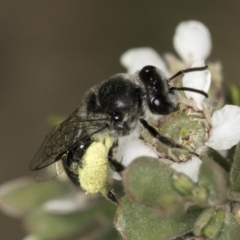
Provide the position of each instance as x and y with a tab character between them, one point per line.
52	51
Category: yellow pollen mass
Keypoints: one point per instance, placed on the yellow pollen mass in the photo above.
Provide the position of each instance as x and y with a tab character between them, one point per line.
94	172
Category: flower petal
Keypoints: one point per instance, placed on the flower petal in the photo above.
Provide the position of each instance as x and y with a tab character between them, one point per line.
190	168
130	148
136	58
192	41
200	80
225	131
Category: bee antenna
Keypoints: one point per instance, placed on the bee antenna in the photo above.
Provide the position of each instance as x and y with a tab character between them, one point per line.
186	71
189	89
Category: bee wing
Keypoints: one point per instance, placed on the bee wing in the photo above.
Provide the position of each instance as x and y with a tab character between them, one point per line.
47	161
49	172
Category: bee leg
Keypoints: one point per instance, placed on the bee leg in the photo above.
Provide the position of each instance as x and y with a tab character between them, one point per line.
114	164
161	138
110	195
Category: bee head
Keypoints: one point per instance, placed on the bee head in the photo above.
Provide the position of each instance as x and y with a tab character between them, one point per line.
121	100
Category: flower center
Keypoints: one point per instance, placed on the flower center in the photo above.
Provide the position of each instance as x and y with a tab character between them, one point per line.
186	128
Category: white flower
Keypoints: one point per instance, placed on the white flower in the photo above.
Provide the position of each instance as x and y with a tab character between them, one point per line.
190	168
224	134
225	131
130	148
192	41
200	80
136	58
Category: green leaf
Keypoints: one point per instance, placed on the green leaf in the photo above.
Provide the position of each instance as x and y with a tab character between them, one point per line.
233	96
230	229
90	222
168	206
111	234
136	222
214	179
234	196
183	184
212	229
22	195
147	179
223	162
33	237
235	171
203	220
150	182
200	196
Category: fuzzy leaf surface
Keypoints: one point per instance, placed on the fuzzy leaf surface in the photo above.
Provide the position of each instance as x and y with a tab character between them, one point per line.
212	229
22	195
91	223
214	179
146	180
230	229
150	182
136	222
203	220
235	171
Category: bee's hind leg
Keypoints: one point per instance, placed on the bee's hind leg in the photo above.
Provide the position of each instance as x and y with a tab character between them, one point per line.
114	164
117	167
110	196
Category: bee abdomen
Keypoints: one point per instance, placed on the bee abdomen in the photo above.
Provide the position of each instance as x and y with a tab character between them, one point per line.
73	161
72	172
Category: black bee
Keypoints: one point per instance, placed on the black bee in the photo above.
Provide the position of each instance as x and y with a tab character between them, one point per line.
83	144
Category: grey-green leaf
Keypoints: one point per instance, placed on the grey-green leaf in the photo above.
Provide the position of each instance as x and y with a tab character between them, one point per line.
150	182
203	220
212	229
147	179
22	195
136	222
230	229
235	171
214	179
89	223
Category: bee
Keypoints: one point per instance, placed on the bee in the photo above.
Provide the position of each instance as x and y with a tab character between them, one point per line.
84	144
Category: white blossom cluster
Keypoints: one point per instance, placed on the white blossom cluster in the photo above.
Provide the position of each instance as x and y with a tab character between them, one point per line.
192	42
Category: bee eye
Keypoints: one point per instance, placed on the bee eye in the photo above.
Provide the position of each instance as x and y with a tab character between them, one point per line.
153	81
157	106
147	73
117	116
161	107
